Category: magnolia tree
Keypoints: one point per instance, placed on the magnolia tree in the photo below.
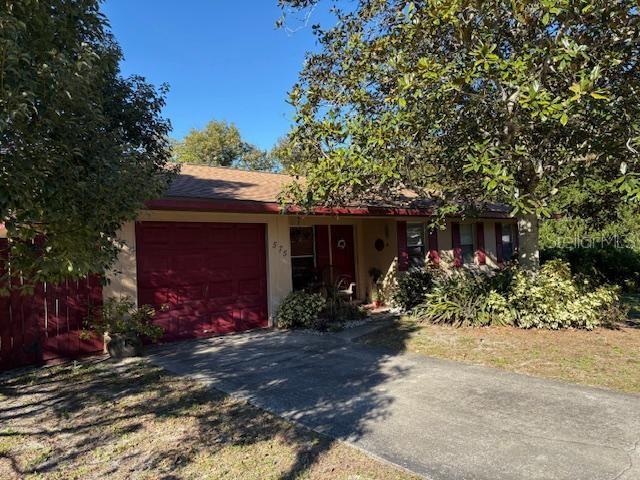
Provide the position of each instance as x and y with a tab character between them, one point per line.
81	146
470	102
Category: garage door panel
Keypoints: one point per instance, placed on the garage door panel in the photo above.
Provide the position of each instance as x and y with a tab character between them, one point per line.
155	265
219	274
249	234
245	272
156	297
153	236
249	260
189	261
254	318
220	290
219	252
187	321
169	322
247	301
196	324
250	287
212	276
222	233
187	279
185	235
189	294
223	322
223	304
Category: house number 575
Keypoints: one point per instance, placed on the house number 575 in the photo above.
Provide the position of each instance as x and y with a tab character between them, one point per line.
278	246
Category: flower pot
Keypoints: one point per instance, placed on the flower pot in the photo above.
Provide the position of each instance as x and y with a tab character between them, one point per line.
121	345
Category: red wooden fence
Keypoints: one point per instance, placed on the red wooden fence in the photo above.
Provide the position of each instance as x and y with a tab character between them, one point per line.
45	326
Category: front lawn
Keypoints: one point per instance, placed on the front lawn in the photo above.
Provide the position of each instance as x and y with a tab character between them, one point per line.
603	357
96	420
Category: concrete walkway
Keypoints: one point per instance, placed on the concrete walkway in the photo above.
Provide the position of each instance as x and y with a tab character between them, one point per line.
440	419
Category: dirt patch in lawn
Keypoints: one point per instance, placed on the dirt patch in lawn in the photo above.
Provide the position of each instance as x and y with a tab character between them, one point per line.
603	357
102	420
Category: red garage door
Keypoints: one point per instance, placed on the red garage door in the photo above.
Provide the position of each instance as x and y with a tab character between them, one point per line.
203	278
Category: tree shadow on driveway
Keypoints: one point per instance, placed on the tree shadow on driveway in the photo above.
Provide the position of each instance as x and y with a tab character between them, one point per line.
314	380
440	418
104	419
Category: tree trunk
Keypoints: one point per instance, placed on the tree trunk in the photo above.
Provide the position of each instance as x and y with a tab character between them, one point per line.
528	252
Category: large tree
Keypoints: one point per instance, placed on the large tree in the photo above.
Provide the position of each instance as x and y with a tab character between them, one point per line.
288	157
472	101
81	146
220	144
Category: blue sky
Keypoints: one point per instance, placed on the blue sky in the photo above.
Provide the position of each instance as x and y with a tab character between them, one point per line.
222	59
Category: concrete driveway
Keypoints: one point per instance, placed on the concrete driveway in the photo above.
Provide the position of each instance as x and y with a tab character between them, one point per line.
440	419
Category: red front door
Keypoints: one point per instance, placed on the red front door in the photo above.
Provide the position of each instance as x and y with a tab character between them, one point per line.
203	278
343	253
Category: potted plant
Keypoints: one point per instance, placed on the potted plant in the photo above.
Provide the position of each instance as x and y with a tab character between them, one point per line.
376	295
376	288
124	325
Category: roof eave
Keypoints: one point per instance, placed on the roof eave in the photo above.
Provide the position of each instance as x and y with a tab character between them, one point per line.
252	206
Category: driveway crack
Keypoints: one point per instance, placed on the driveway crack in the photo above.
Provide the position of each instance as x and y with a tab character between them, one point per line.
630	466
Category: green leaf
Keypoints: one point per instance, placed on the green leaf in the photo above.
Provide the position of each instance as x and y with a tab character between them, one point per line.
576	88
456	129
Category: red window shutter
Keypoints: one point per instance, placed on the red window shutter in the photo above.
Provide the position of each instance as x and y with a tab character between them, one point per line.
434	255
480	253
455	240
403	253
499	257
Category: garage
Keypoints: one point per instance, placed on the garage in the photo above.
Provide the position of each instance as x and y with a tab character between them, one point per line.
203	278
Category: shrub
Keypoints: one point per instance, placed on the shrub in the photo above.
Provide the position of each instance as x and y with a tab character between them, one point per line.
120	316
618	266
551	298
338	309
554	299
349	312
464	298
299	309
412	288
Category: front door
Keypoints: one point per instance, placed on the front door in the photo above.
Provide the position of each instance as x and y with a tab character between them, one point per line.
343	254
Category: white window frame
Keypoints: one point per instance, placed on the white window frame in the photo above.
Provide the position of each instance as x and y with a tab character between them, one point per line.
508	228
422	244
472	244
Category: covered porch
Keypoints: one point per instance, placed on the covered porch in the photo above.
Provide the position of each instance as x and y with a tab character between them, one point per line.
344	252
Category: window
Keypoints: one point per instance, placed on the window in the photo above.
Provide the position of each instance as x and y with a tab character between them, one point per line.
507	242
416	245
466	243
303	257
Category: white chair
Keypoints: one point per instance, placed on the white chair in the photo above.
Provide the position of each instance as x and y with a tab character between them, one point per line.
348	292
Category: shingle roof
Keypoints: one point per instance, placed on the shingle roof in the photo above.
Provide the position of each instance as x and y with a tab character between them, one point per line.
222	183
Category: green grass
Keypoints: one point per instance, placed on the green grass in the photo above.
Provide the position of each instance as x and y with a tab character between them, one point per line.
603	357
137	421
